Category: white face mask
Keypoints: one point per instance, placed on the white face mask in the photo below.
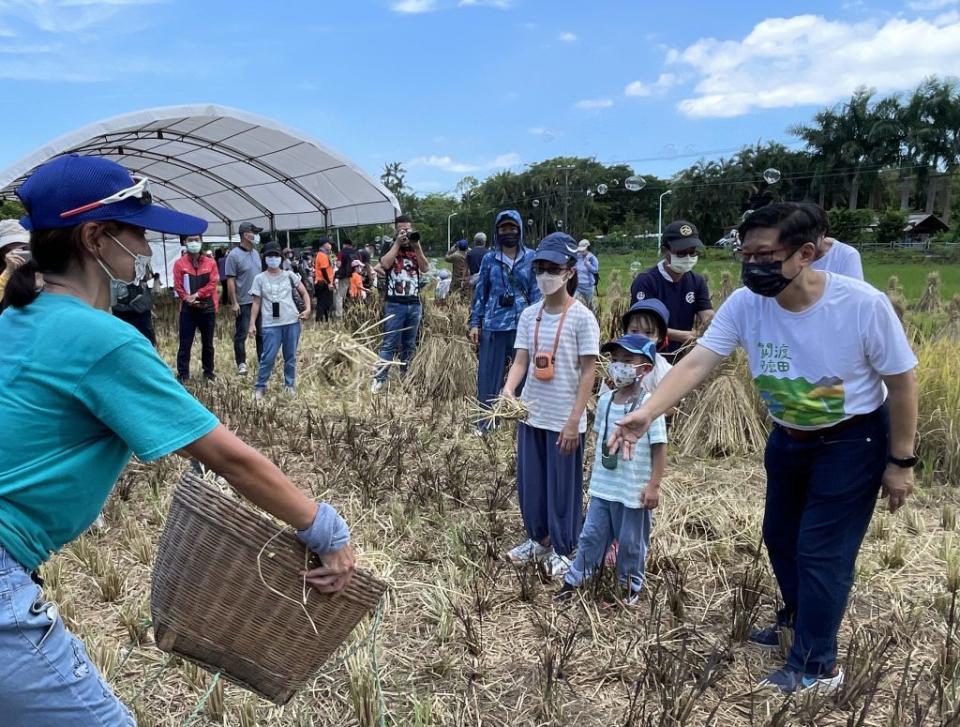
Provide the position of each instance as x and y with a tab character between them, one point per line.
550	283
681	265
194	247
622	374
273	262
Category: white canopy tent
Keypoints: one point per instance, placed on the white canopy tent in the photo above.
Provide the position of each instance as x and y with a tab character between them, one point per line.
227	166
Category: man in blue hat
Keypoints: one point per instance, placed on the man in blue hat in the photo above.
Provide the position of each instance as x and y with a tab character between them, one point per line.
673	281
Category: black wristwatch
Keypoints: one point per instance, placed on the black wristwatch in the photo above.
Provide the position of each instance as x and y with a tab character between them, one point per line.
906	462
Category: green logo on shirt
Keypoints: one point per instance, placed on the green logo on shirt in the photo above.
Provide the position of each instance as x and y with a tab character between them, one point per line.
797	401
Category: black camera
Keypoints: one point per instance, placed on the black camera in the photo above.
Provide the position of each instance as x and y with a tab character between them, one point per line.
507	300
413	236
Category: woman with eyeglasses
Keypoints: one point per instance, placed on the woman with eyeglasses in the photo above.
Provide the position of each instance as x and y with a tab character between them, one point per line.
684	292
832	362
83	391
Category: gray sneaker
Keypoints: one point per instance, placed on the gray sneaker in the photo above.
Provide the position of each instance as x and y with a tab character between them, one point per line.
242	369
528	552
555	565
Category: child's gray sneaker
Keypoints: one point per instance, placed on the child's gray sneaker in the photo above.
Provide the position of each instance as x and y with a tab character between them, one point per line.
528	552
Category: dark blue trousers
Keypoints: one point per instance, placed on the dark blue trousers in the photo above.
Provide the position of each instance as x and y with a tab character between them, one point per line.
550	488
495	356
821	495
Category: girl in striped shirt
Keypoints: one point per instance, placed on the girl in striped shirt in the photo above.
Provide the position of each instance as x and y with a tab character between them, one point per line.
557	345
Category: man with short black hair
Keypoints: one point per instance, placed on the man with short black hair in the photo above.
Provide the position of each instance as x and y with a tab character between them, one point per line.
402	260
673	281
242	266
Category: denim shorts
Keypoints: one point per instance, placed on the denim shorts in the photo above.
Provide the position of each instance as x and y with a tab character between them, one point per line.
46	676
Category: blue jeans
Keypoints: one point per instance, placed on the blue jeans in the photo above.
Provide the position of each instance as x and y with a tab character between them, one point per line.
821	494
276	338
549	488
399	335
607	521
46	677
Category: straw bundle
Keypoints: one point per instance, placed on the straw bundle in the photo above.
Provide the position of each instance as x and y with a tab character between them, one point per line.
503	408
723	418
338	352
899	304
952	330
614	286
893	285
444	369
930	301
939	421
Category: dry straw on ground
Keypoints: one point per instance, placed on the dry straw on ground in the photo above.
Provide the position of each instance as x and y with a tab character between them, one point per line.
466	639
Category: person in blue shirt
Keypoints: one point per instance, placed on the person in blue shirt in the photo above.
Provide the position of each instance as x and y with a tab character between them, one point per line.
588	267
83	391
505	286
673	282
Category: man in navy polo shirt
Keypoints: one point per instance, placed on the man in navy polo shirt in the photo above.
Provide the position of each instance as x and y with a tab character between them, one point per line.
673	281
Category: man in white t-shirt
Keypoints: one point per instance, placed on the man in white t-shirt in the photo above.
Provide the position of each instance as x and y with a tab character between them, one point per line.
834	256
833	365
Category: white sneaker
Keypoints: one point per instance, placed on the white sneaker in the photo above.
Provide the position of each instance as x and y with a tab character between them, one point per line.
376	386
291	392
99	524
556	566
242	369
258	394
527	552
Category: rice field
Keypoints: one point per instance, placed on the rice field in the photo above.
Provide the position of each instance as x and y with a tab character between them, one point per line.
715	261
465	638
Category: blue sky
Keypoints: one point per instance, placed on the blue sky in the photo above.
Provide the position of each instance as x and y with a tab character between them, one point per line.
457	87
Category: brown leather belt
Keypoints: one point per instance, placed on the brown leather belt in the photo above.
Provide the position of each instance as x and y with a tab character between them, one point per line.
807	435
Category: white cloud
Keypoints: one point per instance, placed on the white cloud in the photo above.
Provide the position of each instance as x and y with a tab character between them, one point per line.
64	17
809	60
414	7
448	164
594	104
639	89
567	38
502	4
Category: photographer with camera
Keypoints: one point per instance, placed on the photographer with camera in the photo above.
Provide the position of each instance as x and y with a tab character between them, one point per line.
402	261
505	286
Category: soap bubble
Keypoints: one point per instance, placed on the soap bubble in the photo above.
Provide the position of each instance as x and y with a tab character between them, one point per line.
635	184
602	188
536	203
771	175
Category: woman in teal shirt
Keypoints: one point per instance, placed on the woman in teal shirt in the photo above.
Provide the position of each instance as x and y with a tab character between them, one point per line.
82	392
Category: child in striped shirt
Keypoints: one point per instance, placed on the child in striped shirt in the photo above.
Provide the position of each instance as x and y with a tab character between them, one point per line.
623	493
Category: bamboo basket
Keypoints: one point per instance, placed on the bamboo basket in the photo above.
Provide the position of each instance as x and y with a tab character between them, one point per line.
210	606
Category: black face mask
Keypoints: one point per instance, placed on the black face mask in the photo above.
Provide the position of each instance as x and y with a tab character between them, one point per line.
509	239
766	279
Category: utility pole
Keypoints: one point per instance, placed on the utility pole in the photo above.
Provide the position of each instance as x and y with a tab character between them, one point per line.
567	168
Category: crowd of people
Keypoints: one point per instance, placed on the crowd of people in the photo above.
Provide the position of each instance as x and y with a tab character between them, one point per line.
826	352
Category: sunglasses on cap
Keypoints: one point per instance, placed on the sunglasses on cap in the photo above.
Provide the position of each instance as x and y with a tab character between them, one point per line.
140	190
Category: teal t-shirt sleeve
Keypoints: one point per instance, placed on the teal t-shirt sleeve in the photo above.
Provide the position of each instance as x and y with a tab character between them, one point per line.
133	392
658	431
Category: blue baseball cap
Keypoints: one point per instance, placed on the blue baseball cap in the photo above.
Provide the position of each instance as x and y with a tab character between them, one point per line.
81	186
462	244
653	305
634	343
557	247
